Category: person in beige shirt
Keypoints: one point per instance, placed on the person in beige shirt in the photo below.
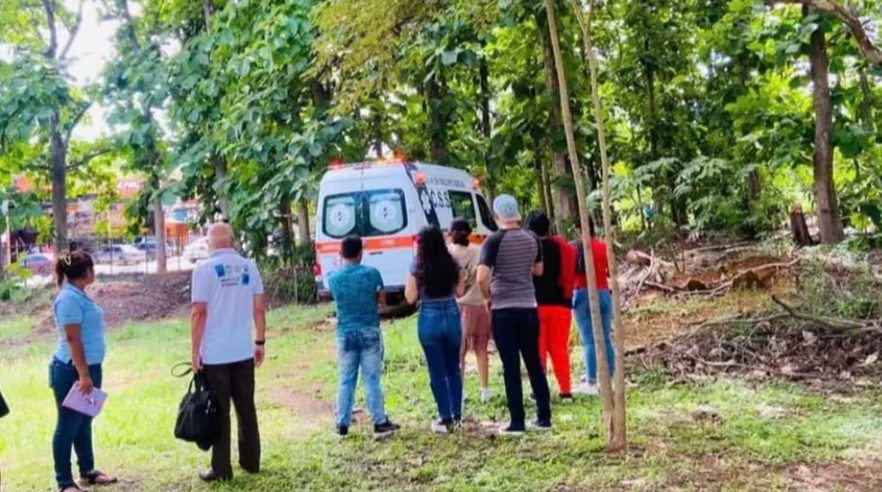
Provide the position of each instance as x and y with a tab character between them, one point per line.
476	321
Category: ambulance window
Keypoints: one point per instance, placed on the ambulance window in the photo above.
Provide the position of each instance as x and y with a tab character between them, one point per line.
340	216
385	212
463	205
486	216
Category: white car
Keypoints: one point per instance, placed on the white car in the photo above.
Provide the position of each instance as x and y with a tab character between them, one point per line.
197	251
122	254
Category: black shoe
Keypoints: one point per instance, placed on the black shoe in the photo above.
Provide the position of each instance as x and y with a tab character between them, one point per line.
209	476
386	428
542	425
342	430
513	430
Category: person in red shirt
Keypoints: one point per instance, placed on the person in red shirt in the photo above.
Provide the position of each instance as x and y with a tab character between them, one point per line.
582	312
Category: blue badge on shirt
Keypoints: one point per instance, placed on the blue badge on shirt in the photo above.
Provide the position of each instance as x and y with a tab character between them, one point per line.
246	278
219	271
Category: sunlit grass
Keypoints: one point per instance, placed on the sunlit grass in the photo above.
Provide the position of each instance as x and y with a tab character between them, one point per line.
758	428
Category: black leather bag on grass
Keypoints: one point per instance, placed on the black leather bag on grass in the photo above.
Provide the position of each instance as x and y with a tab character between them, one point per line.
197	415
4	408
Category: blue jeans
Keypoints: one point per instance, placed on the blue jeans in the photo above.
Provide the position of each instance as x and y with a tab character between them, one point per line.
73	429
582	313
360	349
440	333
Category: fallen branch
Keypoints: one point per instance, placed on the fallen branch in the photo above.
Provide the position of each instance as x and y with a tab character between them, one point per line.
776	266
662	287
648	272
831	323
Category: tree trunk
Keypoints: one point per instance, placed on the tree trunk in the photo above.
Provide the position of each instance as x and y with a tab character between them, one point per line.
563	199
287	249
208	13
866	109
377	123
159	230
540	180
603	370
658	200
220	162
484	84
546	192
220	176
303	221
829	223
437	121
617	436
59	185
799	228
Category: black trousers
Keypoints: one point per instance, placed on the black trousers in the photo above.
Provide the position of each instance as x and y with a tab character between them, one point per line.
234	382
516	333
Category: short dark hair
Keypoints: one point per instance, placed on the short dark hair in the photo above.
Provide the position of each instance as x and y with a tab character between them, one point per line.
538	222
460	230
351	247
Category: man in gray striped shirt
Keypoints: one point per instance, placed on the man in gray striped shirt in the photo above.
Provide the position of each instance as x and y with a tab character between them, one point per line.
509	260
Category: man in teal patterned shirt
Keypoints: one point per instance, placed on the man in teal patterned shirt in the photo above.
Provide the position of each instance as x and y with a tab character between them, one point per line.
358	293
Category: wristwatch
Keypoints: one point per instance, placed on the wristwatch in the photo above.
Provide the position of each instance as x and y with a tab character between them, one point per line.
260	343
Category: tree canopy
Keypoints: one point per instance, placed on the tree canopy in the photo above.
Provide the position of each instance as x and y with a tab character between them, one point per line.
720	114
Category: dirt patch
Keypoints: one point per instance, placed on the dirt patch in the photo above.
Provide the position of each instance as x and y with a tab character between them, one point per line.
147	298
152	297
779	347
847	477
304	401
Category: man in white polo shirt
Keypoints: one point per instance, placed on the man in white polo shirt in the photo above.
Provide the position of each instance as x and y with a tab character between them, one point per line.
227	295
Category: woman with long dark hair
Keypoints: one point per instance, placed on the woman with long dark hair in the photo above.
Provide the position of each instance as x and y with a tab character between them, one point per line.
76	364
476	320
436	278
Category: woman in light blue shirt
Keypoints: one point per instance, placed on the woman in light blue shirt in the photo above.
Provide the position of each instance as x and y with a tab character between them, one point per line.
77	362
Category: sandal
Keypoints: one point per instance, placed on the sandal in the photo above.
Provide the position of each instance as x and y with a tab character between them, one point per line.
97	477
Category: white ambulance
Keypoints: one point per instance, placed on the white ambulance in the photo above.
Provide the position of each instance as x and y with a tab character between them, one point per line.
387	203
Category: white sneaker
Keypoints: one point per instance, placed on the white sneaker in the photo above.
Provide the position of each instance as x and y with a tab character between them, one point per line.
486	395
589	389
440	427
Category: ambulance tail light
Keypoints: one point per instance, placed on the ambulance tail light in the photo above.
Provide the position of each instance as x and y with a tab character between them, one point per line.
317	270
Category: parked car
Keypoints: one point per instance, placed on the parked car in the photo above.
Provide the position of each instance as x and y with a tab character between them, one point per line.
197	250
123	254
148	247
39	264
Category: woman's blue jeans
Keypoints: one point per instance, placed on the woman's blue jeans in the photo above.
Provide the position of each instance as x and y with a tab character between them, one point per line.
440	333
582	314
73	430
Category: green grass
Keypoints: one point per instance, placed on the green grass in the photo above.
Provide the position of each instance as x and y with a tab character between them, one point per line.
760	430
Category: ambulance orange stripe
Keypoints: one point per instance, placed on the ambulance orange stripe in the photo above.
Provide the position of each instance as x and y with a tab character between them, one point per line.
380	243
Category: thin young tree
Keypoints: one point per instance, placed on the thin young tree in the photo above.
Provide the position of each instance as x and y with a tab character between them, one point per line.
606	391
619	429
